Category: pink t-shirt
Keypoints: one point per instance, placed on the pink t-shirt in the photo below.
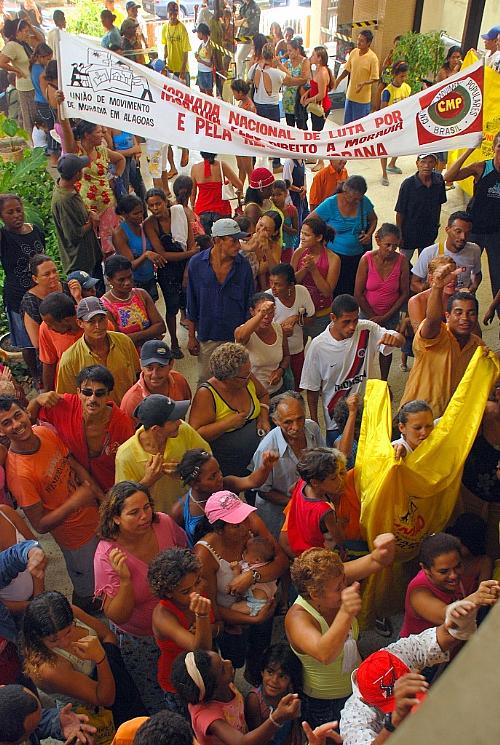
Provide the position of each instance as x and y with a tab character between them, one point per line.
412	622
107	582
381	294
205	714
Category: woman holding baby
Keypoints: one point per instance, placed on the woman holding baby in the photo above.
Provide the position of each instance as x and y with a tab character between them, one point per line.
228	569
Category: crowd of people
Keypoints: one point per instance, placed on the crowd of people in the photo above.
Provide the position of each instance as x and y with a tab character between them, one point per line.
190	518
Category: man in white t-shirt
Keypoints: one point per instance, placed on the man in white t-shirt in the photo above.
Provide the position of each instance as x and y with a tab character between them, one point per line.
456	245
342	358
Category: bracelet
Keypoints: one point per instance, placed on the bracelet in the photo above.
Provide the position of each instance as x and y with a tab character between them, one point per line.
265	406
101	661
201	615
273	720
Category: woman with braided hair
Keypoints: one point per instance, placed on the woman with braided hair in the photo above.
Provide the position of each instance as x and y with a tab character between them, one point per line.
201	472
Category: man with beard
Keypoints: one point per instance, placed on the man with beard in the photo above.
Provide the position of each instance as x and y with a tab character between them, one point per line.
456	245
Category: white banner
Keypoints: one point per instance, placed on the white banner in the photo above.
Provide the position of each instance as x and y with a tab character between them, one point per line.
109	89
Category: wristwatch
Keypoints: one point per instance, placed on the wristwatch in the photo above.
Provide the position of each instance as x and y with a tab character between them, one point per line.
388	725
256	577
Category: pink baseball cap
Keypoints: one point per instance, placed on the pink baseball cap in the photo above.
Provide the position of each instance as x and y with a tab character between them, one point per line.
226	506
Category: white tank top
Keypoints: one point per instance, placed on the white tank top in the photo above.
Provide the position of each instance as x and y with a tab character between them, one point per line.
264	358
21	587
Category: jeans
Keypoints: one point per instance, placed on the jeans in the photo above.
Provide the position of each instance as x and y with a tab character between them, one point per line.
317	122
354	111
132	176
270	111
207	219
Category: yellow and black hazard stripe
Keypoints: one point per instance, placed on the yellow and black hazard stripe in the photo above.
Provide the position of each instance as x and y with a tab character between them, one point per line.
365	24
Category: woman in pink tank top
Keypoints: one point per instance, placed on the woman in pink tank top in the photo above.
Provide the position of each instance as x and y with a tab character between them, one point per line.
438	584
317	269
382	284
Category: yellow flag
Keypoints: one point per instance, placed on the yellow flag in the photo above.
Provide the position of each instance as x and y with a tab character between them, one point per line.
491	121
414	496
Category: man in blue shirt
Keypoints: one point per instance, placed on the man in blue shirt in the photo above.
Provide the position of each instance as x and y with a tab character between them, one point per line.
292	435
219	292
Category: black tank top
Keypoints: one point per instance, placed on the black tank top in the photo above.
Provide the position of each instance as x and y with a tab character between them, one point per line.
485	205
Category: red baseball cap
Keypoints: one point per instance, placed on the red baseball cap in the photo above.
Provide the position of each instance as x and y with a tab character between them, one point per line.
376	677
260	178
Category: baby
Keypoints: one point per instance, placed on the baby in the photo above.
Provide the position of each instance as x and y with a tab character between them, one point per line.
258	552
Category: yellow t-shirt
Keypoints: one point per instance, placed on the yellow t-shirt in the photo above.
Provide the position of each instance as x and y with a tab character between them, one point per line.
122	361
131	461
176	39
438	368
362	67
396	92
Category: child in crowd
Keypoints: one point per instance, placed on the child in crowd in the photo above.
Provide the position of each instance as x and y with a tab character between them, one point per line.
288	212
415	422
257	553
241	93
205	682
396	91
321	512
183	619
201	472
348	415
204	57
281	673
406	329
39	134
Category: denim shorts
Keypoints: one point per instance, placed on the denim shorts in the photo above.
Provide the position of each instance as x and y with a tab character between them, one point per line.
18	335
205	80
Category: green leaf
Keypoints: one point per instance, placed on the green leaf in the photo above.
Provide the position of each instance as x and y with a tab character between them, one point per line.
9	126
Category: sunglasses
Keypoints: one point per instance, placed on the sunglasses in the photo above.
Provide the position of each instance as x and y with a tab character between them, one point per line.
99	393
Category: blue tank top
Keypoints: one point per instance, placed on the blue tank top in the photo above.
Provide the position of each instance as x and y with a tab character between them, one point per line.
190	521
36	71
123	141
146	270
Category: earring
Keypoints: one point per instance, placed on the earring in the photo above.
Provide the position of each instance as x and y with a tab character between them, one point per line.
289	292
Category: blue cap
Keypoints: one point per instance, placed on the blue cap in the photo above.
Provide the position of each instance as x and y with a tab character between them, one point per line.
492	33
85	280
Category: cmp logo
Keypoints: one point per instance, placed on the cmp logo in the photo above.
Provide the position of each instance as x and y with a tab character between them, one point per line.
453	110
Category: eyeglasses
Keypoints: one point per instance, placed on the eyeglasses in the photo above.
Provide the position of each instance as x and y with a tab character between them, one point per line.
98	393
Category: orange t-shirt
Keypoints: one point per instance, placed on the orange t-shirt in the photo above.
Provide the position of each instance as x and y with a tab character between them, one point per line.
126	732
51	344
46	476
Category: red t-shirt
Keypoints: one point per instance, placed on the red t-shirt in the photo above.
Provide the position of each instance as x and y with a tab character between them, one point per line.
67	418
304	518
169	649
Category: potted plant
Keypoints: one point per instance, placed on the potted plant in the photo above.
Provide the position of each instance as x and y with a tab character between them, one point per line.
14	147
424	54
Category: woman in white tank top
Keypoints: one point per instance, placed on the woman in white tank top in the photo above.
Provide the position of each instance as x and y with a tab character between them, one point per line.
265	342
